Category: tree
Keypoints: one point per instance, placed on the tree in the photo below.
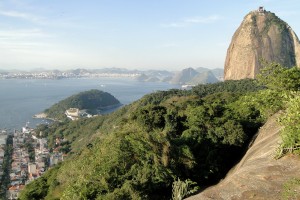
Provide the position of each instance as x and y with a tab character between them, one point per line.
278	77
290	133
284	83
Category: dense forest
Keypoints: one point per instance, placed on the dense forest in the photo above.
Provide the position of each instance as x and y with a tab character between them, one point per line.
89	100
169	140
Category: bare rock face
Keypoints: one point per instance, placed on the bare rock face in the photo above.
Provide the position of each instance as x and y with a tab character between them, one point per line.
262	35
258	175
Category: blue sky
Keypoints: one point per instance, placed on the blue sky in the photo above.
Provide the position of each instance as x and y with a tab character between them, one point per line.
135	34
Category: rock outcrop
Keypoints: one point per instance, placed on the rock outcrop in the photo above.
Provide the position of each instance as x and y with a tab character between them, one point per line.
258	175
261	35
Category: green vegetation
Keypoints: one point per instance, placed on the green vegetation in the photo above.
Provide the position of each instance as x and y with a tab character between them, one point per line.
143	150
138	151
90	100
291	189
240	87
278	78
284	85
182	189
6	166
291	131
38	189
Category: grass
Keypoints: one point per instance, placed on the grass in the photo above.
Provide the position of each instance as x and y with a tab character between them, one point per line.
291	189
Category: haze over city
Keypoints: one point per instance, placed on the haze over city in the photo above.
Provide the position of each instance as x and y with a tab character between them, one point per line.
168	34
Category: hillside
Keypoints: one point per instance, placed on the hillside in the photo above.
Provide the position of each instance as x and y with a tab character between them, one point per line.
90	100
258	175
138	151
261	35
169	140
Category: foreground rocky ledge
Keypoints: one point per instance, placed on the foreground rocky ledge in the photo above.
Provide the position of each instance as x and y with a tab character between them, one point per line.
258	175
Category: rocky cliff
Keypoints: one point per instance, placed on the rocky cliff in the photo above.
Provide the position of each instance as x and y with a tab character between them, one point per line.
258	175
261	35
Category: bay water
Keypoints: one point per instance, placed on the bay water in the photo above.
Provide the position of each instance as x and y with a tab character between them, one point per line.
20	99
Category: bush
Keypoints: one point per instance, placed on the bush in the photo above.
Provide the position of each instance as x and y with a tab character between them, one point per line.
182	189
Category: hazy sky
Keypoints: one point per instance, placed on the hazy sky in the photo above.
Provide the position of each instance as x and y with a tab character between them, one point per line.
136	34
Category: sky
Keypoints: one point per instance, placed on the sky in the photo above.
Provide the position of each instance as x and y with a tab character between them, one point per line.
133	34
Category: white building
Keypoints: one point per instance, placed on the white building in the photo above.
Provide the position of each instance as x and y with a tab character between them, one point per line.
1	153
32	168
3	139
73	113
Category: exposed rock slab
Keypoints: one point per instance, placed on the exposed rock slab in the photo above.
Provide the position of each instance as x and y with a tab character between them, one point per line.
258	175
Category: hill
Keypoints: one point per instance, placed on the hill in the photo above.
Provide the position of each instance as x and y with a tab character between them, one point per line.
203	78
146	78
91	100
218	72
261	35
184	76
170	140
138	151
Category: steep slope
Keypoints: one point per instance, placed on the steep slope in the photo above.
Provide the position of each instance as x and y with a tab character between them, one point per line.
139	150
261	35
258	175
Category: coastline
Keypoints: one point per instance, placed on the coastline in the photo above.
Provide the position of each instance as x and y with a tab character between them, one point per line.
101	110
43	116
40	116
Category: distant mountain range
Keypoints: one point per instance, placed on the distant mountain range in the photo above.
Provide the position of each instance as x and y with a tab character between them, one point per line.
189	76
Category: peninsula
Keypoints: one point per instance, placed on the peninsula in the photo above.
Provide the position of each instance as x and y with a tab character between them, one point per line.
92	102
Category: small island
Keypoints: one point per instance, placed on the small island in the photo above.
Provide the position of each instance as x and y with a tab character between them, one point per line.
88	103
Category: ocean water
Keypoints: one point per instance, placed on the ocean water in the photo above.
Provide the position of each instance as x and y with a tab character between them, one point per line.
20	99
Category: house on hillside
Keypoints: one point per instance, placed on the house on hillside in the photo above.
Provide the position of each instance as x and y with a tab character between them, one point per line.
73	113
261	9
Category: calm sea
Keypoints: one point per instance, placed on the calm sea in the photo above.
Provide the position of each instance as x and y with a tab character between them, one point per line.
20	99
